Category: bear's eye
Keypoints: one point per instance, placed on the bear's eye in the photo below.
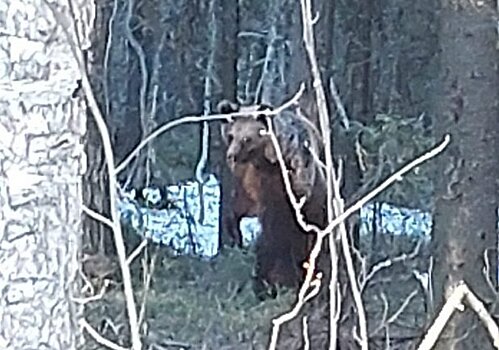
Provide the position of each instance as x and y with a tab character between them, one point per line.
230	138
247	139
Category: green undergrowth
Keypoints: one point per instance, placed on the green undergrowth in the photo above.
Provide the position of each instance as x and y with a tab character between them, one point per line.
197	304
211	304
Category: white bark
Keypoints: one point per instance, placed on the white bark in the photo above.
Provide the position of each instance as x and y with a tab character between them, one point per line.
41	163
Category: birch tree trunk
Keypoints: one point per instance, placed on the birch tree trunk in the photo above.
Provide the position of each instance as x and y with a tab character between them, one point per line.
41	164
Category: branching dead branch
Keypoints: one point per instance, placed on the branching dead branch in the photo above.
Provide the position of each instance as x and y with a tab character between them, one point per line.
389	262
93	297
387	321
334	205
461	293
309	40
397	176
310	266
322	234
88	284
196	119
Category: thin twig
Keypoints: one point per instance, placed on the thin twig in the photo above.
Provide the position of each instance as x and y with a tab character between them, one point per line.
109	157
397	176
309	40
107	54
339	104
96	216
136	251
99	338
196	119
265	69
205	129
338	203
93	297
142	62
306	338
321	234
147	285
389	262
395	315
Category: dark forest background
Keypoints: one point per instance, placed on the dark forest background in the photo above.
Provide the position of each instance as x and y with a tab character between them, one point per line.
407	72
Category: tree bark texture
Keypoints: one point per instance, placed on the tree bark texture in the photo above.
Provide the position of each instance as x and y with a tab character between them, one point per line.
467	188
227	22
98	236
41	161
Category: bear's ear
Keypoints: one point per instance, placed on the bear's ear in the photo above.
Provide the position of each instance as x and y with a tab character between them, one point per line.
227	107
224	131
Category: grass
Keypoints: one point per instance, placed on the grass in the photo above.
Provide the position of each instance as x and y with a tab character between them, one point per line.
199	304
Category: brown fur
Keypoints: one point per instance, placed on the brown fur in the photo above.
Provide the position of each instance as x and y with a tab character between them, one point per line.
247	190
244	199
259	190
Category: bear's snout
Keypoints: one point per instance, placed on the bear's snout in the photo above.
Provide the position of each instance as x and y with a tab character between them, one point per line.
231	158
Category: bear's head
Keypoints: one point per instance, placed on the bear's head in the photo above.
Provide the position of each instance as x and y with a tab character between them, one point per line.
247	138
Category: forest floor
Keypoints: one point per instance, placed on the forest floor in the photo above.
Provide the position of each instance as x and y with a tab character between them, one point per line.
195	304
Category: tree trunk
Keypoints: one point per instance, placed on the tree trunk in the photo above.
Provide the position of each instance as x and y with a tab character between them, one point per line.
97	236
465	219
227	16
41	151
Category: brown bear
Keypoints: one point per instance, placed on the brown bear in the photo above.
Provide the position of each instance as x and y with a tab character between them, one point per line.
259	190
243	200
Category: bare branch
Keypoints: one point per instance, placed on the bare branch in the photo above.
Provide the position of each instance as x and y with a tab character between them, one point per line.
109	157
99	338
460	293
208	87
306	345
271	38
321	234
107	54
337	100
397	176
143	66
96	216
136	251
389	262
334	206
196	119
93	297
396	314
147	284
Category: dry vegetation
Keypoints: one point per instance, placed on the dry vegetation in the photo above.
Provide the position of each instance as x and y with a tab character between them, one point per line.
196	304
